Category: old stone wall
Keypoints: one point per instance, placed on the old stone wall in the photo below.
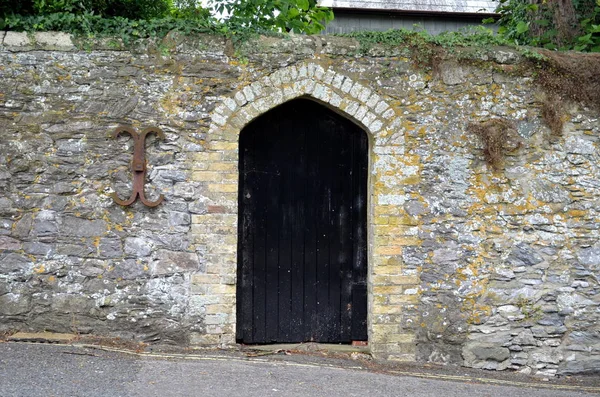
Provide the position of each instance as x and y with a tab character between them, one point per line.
488	268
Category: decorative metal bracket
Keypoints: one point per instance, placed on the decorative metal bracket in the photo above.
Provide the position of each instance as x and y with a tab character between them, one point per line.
138	165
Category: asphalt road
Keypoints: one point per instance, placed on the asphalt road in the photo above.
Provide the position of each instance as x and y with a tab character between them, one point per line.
36	370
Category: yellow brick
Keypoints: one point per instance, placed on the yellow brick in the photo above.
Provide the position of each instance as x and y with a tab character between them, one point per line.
207	156
223	166
395	279
408	240
206	176
219	308
393	210
206	279
222	248
219	187
380	300
221	289
388	289
403	220
388	309
204	340
403	299
214	219
381	220
411	180
394	351
390	230
219	269
388	250
222	145
392	269
380	330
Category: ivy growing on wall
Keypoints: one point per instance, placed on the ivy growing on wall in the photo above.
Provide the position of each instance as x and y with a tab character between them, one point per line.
133	19
560	24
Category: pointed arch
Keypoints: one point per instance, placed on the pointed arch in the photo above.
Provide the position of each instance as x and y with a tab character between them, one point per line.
339	92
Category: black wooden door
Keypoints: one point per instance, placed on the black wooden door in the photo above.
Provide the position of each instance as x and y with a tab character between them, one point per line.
302	262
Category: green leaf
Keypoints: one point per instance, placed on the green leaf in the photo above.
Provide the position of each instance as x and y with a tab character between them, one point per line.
302	4
522	27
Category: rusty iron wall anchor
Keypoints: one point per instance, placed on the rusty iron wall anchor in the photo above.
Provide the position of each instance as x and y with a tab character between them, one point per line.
138	165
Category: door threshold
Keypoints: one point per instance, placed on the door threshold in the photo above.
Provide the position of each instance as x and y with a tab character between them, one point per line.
310	347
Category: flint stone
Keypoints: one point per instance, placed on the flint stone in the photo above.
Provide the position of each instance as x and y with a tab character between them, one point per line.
9	244
553	320
589	256
485	352
580	364
128	269
6	206
23	226
45	228
445	255
14	304
578	145
71	303
548	192
547	355
452	74
79	227
572	301
169	262
506	57
36	248
523	255
110	248
137	246
179	218
13	263
93	267
79	250
415	208
525	338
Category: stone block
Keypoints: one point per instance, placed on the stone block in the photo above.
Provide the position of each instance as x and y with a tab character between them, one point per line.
79	227
14	304
59	41
138	247
485	352
17	39
170	262
9	244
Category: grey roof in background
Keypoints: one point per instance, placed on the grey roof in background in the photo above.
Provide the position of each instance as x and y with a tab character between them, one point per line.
451	6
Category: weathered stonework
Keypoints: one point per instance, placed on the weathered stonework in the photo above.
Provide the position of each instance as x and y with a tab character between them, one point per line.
491	269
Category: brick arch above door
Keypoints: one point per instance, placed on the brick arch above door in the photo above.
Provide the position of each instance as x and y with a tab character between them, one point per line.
343	94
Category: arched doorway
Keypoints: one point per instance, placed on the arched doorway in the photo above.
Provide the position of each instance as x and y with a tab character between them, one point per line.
302	255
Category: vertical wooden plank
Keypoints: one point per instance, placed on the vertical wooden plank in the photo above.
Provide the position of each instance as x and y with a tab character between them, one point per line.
272	191
260	244
325	160
298	228
311	211
347	240
286	160
245	241
338	216
359	291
